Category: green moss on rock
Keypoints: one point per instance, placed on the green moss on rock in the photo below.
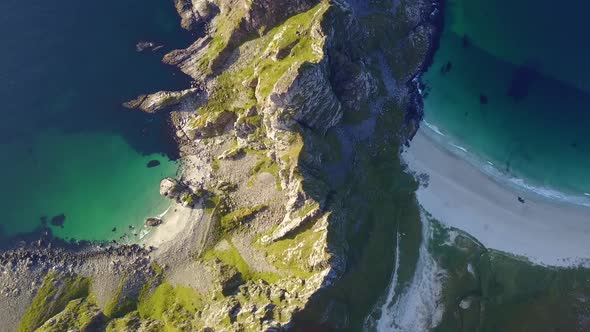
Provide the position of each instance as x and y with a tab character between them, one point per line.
53	297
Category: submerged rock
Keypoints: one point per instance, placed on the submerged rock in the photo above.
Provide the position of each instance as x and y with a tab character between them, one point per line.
153	163
446	67
58	220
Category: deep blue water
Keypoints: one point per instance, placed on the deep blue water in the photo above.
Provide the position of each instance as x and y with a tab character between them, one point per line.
66	143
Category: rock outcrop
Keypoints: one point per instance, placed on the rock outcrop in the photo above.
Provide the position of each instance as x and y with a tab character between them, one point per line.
172	188
277	76
163	100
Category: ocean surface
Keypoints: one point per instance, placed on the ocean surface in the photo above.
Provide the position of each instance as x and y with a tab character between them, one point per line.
67	146
510	90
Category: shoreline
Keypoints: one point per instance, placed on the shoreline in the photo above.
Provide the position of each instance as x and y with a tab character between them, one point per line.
459	195
519	184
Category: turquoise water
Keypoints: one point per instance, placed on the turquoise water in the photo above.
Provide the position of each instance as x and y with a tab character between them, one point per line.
510	84
66	144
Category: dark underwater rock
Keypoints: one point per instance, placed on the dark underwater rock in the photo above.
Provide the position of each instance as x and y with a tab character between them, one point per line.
153	163
466	41
446	68
483	99
522	78
58	220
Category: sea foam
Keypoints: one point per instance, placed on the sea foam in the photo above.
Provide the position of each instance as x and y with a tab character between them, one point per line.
489	168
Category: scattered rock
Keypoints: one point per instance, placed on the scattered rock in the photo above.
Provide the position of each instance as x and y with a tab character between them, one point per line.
145	46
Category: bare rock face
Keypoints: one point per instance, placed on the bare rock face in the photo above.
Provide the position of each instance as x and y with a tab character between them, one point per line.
268	13
210	124
194	13
172	188
153	222
188	59
304	95
258	16
162	100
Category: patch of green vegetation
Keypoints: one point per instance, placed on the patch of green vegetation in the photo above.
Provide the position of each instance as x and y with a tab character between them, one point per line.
505	293
216	205
190	199
264	165
157	269
228	94
175	307
234	90
215	165
353	117
131	322
234	219
120	304
291	156
53	296
224	37
301	242
294	34
233	258
79	314
307	208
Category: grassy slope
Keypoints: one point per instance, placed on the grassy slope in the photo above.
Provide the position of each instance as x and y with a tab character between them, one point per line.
508	293
53	297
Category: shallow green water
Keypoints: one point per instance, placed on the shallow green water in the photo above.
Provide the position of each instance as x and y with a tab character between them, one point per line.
516	92
66	144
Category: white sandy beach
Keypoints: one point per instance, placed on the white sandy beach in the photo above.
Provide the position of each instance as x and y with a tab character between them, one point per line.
461	196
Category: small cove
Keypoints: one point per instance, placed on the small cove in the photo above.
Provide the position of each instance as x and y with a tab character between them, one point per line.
67	145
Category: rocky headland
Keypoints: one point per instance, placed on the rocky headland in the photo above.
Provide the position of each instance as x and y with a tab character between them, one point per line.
291	186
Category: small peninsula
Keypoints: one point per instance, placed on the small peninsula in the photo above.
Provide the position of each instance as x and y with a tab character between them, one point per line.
294	107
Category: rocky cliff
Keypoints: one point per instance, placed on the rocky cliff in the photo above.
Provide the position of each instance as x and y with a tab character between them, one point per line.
299	105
